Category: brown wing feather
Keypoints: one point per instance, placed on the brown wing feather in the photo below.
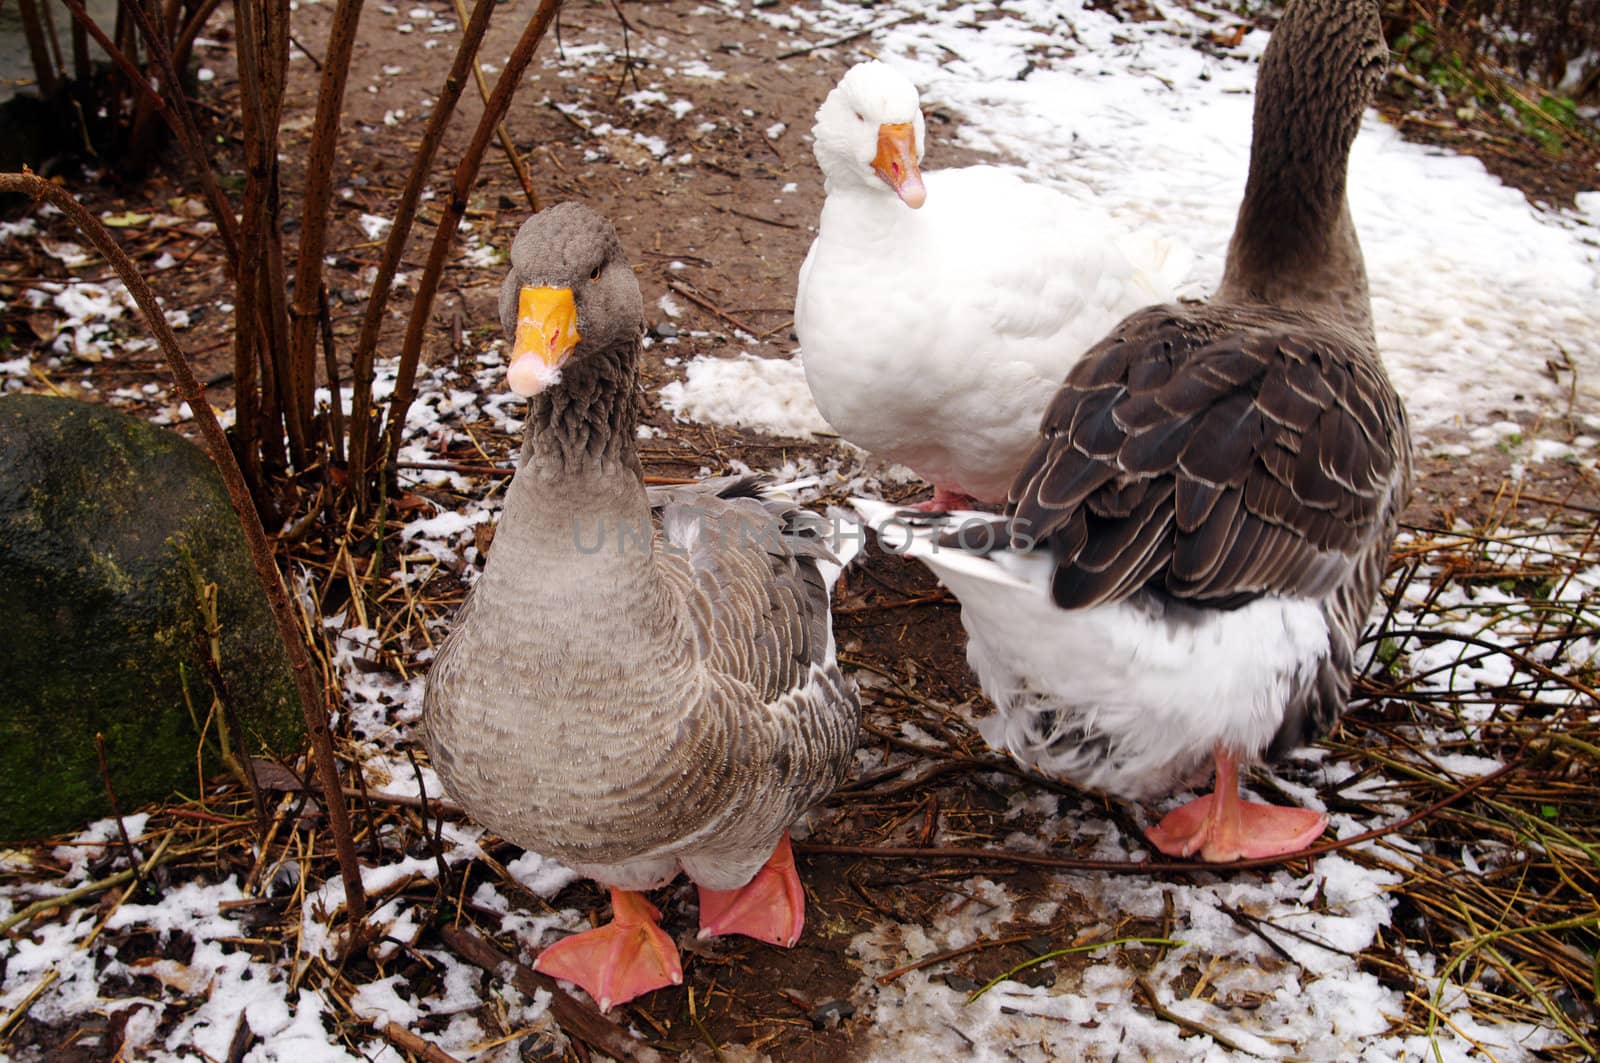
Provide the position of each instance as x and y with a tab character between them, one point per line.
1218	453
763	611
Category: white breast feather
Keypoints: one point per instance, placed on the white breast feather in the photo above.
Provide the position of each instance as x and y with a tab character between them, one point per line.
935	337
1161	693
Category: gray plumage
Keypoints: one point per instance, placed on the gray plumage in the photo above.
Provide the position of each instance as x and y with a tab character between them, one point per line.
1206	457
640	681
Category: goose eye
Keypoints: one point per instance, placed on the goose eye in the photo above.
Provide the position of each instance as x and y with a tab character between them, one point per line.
860	117
594	274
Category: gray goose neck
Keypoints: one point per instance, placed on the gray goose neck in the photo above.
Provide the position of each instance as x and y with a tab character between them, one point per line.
1294	244
586	423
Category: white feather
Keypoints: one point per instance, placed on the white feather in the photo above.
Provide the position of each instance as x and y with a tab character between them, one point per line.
935	337
1160	691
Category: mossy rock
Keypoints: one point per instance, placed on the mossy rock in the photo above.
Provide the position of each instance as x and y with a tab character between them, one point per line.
109	528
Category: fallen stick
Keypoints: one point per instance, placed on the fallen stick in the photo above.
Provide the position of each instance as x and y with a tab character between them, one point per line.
1165	1013
706	304
420	1047
848	37
950	954
939	597
157	858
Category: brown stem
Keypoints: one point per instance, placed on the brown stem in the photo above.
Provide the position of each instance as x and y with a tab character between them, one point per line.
312	694
116	811
169	84
405	213
259	316
500	132
466	173
298	404
44	71
416	1045
81	68
191	30
178	118
259	87
330	367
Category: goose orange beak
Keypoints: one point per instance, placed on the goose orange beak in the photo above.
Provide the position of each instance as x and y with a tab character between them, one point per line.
896	163
547	332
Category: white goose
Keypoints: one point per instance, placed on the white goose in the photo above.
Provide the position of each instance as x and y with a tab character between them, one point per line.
641	682
1200	531
937	313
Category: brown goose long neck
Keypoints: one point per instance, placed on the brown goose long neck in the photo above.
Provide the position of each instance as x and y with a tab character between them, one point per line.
587	422
1294	244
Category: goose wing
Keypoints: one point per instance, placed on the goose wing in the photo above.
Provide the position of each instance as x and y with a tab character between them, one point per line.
763	576
1218	456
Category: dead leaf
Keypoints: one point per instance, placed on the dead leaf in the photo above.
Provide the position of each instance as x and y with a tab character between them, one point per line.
483	537
43	326
1230	38
410	501
174	975
126	220
270	775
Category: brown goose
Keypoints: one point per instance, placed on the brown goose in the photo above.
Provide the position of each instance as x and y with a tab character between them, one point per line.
639	683
1199	533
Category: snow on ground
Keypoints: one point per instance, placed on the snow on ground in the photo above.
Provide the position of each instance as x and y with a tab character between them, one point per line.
1475	292
767	394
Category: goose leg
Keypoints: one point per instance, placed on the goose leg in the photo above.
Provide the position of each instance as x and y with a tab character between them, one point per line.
1222	827
945	500
771	907
623	959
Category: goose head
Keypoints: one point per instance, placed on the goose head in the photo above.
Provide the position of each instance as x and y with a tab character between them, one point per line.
569	294
869	133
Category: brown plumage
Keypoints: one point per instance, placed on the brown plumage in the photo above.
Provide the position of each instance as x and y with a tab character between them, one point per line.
1198	535
640	682
1251	445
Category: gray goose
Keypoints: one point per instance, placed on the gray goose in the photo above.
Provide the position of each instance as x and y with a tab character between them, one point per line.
640	682
1199	533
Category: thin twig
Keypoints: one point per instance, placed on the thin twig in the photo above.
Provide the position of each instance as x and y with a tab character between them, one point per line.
950	954
938	597
1055	954
461	186
420	1047
405	213
116	812
1163	1012
422	808
846	38
701	301
1483	941
155	860
28	1001
518	166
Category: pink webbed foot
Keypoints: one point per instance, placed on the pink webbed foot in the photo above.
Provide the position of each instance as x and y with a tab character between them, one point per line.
623	959
771	907
945	501
1222	827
